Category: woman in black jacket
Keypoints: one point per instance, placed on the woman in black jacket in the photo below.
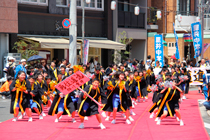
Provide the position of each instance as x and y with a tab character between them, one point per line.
20	97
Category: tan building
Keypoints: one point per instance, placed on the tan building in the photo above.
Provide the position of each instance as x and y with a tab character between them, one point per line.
171	11
8	26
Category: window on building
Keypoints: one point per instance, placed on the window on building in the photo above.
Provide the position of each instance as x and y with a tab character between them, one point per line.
94	52
171	44
99	3
122	6
94	4
62	2
183	7
172	48
78	2
35	2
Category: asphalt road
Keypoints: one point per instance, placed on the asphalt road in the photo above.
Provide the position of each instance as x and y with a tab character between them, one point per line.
5	115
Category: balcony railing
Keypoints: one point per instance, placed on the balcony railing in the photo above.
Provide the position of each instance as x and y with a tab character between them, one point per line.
151	16
129	20
187	13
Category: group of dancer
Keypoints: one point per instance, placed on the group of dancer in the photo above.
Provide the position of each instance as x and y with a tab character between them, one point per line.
169	91
117	89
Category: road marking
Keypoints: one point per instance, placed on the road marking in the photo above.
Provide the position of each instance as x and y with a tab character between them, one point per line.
207	125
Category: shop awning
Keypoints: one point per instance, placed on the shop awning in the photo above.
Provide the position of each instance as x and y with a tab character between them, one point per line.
53	43
107	44
104	44
63	43
164	43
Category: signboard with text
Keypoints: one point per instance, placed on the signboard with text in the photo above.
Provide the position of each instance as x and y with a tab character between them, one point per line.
71	83
159	55
197	38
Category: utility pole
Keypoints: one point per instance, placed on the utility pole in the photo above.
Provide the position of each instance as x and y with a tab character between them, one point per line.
202	23
83	29
73	32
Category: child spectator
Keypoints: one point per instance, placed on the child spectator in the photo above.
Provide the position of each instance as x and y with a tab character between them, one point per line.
4	90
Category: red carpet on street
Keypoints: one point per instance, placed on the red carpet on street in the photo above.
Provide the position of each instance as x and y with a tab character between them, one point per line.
143	128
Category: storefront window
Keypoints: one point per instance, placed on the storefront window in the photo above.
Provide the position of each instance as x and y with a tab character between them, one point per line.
94	52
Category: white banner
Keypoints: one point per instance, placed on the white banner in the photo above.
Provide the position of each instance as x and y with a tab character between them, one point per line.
86	50
196	74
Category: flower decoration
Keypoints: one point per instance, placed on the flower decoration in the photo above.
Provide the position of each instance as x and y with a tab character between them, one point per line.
19	86
52	85
78	68
148	89
110	86
148	71
138	79
121	85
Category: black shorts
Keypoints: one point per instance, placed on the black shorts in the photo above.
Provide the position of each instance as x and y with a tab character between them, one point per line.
176	105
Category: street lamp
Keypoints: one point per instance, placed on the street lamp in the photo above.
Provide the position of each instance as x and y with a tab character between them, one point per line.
113	5
88	1
136	10
158	14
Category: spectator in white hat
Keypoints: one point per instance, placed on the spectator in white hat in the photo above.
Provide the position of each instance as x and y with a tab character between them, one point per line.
21	67
10	66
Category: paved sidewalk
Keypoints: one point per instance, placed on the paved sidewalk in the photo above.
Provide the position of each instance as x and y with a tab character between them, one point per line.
4	110
206	118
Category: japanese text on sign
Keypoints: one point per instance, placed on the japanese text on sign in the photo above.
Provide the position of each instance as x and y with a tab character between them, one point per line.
159	49
71	83
197	40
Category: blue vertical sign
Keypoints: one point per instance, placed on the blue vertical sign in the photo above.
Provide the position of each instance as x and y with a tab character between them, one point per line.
159	54
177	48
197	38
